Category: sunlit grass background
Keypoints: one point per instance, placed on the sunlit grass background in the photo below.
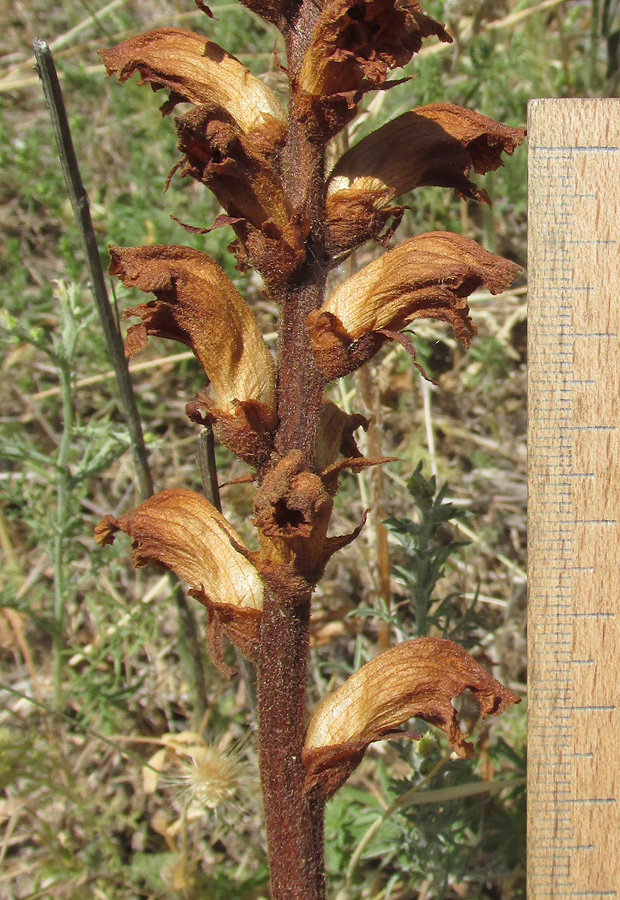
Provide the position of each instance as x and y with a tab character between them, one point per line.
81	818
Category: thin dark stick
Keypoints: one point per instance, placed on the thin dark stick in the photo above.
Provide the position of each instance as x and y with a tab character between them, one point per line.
81	211
207	466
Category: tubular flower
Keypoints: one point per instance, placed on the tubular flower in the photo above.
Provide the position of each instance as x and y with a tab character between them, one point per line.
354	45
221	156
418	679
438	144
199	306
181	531
231	141
196	70
427	277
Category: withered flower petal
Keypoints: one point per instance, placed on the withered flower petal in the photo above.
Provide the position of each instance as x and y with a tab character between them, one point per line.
245	181
438	144
427	277
247	429
335	434
354	45
332	473
231	164
199	306
181	531
270	10
292	512
418	679
196	70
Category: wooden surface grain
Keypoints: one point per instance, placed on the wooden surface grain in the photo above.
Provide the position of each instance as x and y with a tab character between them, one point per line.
574	499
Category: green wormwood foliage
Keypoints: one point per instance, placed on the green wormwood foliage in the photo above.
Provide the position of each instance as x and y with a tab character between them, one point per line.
266	166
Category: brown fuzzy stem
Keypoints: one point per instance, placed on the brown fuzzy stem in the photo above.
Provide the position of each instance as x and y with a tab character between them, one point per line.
300	382
294	822
294	828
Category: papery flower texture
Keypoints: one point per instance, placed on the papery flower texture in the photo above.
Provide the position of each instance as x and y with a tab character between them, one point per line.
294	224
181	531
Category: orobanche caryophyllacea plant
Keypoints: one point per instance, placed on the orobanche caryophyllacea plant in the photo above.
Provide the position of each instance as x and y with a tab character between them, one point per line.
266	166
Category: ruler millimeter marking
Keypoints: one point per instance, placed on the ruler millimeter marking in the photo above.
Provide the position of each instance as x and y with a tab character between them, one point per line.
574	499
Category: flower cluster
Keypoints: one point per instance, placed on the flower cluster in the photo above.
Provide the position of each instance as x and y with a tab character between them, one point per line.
292	224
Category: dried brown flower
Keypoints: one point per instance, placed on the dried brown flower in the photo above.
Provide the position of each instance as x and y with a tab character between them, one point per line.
438	144
354	45
335	434
199	306
418	679
181	531
426	277
196	70
233	165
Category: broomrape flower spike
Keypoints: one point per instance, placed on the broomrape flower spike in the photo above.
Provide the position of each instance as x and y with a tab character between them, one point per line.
266	167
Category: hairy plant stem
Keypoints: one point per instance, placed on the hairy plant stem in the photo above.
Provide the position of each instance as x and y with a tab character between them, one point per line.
294	827
294	824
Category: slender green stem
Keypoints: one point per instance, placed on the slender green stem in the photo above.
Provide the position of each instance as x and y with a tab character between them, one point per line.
208	467
63	500
127	400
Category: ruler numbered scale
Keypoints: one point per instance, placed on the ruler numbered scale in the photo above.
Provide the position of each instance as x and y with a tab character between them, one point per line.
574	499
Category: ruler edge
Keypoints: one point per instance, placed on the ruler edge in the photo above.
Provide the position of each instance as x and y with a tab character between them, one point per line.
609	108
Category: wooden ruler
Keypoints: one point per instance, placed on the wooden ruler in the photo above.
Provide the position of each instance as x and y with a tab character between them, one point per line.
574	499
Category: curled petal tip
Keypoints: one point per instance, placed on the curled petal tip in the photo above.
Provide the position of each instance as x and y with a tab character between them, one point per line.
354	46
438	144
196	70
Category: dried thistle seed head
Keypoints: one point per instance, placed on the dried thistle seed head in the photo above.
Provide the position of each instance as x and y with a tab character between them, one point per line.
210	777
199	71
437	145
205	776
199	306
426	277
415	679
181	531
353	47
